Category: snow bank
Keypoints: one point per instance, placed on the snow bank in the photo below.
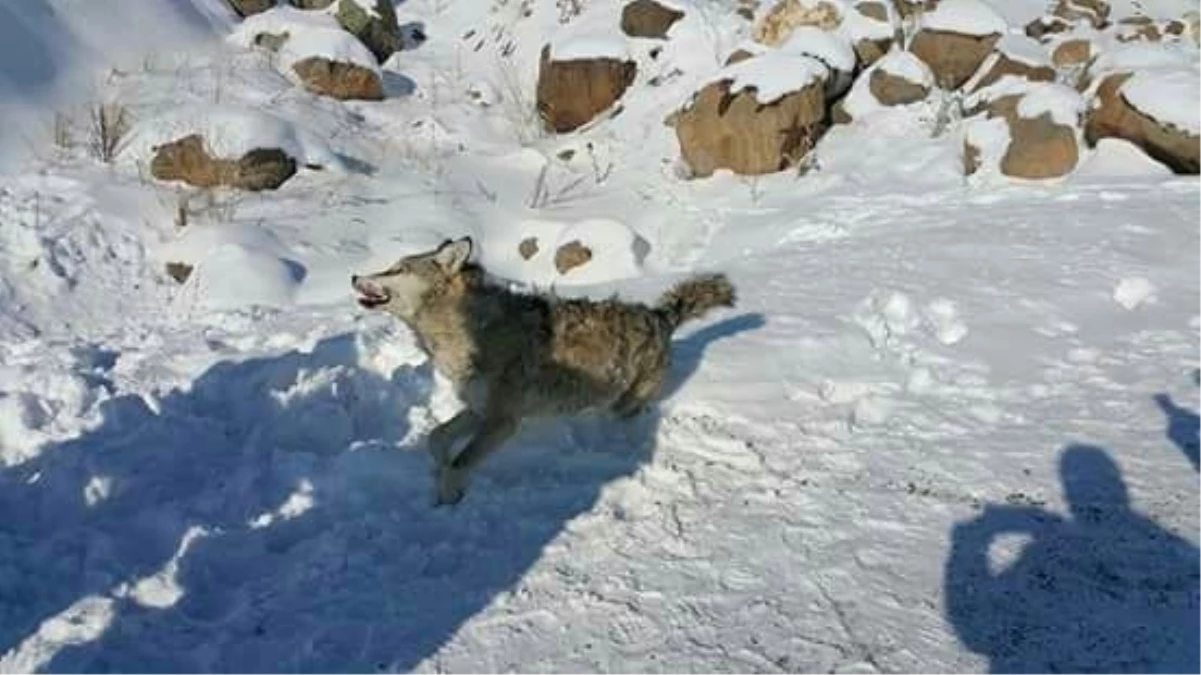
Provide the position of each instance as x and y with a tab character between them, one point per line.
230	131
772	75
576	46
1114	157
1169	96
236	266
309	34
967	17
1143	56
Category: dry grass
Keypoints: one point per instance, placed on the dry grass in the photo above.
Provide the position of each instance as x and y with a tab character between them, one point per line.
107	125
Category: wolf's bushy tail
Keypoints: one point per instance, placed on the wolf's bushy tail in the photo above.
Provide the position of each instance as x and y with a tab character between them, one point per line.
691	299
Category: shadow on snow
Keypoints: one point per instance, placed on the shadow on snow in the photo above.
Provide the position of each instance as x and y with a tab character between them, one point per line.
265	520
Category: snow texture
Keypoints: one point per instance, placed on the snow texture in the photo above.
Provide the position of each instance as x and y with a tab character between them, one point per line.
830	48
906	65
773	75
966	17
308	33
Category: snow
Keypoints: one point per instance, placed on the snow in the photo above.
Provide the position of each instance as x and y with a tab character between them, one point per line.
861	27
1136	56
930	399
229	131
907	66
309	34
967	17
1023	49
830	48
772	75
1168	96
576	46
1065	105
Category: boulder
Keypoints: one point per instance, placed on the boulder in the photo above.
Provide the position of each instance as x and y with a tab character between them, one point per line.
339	79
188	160
528	248
873	28
571	255
248	7
1042	135
377	29
1041	28
179	271
833	49
891	89
1114	116
572	92
728	126
953	57
787	15
910	9
900	78
648	19
1015	55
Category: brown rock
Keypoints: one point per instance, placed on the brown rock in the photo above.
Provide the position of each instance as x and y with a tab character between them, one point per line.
873	10
571	255
738	56
1112	116
787	15
272	42
1139	32
971	158
953	57
909	9
179	271
1000	65
1039	148
338	79
870	51
721	130
378	31
1095	12
1071	53
188	160
248	7
1040	28
890	89
528	248
1175	27
648	19
572	93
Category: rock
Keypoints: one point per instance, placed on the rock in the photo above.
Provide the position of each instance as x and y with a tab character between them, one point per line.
188	160
873	29
272	42
832	49
571	255
787	15
571	93
179	271
248	7
1095	12
891	89
528	248
648	19
953	57
311	4
1041	27
1072	53
873	10
909	9
1113	116
721	129
738	56
377	30
999	64
338	79
1041	144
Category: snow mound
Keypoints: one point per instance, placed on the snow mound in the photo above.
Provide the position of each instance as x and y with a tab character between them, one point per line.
233	277
1133	291
1169	96
309	34
617	251
772	75
908	66
966	17
1114	157
1136	56
1064	104
231	131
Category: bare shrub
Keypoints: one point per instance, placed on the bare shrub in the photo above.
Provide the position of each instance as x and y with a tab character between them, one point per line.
108	124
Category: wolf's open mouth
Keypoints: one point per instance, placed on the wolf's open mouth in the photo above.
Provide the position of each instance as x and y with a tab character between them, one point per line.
373	300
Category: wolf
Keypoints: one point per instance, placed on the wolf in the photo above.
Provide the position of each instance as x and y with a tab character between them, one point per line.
513	355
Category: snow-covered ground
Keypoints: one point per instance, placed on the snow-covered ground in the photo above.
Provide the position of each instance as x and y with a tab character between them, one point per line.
949	426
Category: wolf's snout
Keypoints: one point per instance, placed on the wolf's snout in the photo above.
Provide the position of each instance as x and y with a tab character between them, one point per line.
371	294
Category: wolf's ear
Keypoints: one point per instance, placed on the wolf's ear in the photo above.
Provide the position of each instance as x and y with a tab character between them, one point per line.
451	255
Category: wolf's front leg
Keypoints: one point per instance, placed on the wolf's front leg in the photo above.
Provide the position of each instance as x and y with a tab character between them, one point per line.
452	476
444	436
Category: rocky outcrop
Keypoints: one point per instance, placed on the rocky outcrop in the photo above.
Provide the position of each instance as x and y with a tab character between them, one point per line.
187	159
571	93
953	57
1113	116
648	19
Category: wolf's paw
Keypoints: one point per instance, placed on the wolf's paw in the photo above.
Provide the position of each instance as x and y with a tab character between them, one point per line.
451	483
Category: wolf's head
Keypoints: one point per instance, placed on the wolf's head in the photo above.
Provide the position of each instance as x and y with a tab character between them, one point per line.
404	288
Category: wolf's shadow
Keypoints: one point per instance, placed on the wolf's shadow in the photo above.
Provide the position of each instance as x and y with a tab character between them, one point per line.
265	520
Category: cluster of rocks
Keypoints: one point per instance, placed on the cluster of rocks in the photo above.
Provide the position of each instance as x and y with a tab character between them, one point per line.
1035	94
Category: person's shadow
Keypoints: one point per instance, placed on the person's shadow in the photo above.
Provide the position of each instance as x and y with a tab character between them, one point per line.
1106	590
265	520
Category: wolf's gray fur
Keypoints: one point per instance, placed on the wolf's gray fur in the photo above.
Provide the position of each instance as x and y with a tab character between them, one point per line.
513	355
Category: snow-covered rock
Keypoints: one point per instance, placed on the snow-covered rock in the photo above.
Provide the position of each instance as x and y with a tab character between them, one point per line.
581	78
955	38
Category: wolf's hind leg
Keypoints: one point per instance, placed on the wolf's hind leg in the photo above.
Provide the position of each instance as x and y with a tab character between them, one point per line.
452	476
442	438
